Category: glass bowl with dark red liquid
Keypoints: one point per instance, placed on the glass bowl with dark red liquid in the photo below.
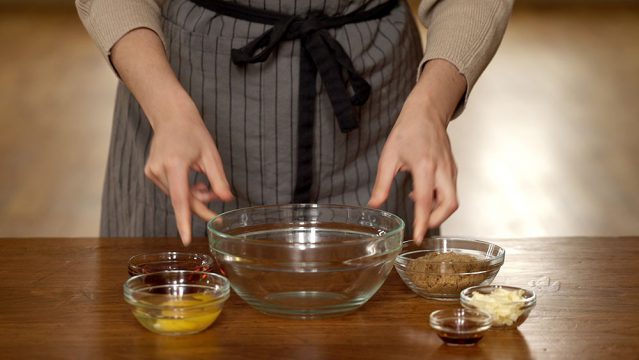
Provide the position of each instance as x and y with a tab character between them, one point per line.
168	261
460	327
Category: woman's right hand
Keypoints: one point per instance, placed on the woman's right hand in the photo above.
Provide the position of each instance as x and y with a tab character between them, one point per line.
181	142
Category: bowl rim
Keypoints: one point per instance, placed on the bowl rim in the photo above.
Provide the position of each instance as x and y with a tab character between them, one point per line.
205	257
496	261
397	230
485	318
223	291
530	298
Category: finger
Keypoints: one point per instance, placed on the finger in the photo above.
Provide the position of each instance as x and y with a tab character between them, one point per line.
386	171
212	167
159	181
446	199
423	183
200	186
202	193
178	184
201	210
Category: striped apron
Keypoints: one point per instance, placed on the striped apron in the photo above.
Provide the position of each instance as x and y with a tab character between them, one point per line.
252	113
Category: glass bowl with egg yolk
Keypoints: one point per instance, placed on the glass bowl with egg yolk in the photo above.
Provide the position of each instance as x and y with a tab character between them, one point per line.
176	302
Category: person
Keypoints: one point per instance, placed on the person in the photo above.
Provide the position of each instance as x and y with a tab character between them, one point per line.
228	104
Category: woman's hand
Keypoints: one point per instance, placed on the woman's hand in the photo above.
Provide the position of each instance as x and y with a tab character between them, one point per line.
419	144
181	142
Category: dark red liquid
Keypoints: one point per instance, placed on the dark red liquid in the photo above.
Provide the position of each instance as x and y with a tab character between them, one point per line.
176	285
169	265
456	339
462	334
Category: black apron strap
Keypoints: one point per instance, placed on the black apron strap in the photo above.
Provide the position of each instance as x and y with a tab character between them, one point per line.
320	53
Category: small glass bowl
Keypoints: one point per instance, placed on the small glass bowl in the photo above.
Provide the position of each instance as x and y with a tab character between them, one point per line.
510	314
176	302
163	261
444	280
460	327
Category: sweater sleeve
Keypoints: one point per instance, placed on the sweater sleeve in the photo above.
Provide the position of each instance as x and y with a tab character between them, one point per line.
465	33
108	20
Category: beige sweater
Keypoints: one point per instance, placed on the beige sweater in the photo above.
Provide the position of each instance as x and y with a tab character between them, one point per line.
464	32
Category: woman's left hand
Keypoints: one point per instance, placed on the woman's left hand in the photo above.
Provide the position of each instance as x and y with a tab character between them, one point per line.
419	144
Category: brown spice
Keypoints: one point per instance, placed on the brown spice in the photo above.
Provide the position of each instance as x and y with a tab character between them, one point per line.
438	272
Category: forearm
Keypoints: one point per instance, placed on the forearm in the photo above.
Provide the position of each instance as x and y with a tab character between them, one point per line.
465	33
109	20
181	142
142	64
439	90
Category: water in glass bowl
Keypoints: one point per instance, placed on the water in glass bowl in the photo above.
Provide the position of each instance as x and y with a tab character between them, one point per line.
307	269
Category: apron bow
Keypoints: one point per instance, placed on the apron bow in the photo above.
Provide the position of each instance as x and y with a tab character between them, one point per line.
327	56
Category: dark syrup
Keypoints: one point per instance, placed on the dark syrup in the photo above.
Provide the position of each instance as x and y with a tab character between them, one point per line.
156	283
460	333
192	265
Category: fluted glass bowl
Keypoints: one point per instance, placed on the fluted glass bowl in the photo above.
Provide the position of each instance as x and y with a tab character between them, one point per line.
168	260
443	277
305	260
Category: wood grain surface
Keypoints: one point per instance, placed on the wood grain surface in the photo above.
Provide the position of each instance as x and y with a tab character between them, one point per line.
62	298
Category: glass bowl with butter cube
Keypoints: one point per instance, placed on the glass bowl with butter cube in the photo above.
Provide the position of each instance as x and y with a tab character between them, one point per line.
509	306
177	302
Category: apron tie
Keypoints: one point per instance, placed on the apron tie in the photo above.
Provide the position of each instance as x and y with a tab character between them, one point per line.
327	55
322	54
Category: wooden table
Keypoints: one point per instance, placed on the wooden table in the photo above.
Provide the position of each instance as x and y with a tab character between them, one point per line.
62	298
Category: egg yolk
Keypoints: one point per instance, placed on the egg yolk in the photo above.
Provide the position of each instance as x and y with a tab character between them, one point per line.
177	316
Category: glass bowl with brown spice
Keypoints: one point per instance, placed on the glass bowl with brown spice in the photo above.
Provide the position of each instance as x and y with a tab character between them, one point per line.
441	267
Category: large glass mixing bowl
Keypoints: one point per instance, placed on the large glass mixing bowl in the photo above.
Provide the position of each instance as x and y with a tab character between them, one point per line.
306	260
